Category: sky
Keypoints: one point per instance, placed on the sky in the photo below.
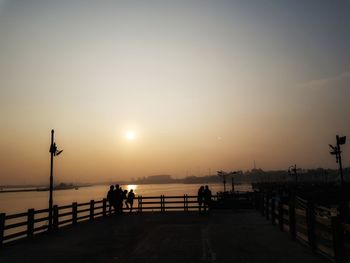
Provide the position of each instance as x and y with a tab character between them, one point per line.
138	88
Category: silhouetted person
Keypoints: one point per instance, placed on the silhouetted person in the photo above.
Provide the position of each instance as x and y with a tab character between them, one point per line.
111	198
207	198
118	199
130	200
124	195
200	198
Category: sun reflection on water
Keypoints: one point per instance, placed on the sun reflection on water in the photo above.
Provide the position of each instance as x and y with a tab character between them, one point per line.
131	186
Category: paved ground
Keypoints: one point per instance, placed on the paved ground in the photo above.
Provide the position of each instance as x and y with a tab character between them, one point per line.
224	236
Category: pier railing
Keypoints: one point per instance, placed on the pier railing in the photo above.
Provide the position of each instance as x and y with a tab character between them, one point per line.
318	227
33	222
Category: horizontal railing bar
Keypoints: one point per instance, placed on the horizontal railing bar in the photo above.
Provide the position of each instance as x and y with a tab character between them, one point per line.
99	202
170	202
18	234
167	197
46	210
167	207
181	196
83	210
83	217
16	215
98	213
174	202
175	207
37	220
83	204
64	207
65	214
64	221
44	227
15	225
145	203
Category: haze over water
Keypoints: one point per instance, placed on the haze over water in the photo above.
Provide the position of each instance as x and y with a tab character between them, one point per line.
137	88
20	202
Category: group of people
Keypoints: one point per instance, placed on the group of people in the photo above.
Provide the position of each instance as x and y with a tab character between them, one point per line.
204	199
117	197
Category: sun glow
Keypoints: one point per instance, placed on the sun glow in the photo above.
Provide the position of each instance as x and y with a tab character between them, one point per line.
131	187
130	135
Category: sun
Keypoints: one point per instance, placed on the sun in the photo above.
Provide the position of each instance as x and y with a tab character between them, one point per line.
130	135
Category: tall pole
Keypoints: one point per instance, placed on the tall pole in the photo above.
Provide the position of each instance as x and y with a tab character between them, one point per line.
340	163
52	152
233	184
337	152
224	176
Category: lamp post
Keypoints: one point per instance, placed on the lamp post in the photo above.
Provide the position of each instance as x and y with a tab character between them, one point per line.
232	174
224	177
337	152
53	152
223	174
293	169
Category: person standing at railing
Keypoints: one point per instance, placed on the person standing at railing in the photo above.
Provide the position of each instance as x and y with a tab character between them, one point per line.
200	198
111	198
124	195
118	199
130	200
207	199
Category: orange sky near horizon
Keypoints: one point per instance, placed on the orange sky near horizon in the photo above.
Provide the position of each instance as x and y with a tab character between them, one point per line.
134	89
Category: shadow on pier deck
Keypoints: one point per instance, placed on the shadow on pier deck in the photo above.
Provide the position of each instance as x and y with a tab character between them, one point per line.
223	236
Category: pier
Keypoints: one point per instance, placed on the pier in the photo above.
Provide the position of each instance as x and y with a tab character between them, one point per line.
170	229
222	236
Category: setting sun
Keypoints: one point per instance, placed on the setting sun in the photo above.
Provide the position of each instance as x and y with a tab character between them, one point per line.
130	135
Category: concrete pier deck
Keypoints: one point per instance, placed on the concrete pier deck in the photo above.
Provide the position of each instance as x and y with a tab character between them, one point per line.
242	236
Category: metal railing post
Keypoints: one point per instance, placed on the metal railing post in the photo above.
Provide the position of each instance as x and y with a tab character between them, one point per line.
30	223
74	213
2	226
104	207
92	209
55	217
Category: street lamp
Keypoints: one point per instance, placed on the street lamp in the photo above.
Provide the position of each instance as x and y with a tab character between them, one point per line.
293	169
337	152
223	174
53	152
232	178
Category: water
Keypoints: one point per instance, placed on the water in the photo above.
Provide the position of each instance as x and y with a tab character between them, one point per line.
11	203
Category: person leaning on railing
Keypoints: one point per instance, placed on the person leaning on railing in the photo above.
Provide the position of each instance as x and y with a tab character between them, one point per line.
111	198
200	198
207	198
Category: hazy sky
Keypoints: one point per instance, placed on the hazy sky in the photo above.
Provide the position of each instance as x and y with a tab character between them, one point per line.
136	88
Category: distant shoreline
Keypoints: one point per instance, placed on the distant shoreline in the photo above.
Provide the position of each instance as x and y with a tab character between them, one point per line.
42	189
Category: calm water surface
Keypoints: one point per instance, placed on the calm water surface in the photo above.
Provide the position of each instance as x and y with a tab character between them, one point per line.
19	202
